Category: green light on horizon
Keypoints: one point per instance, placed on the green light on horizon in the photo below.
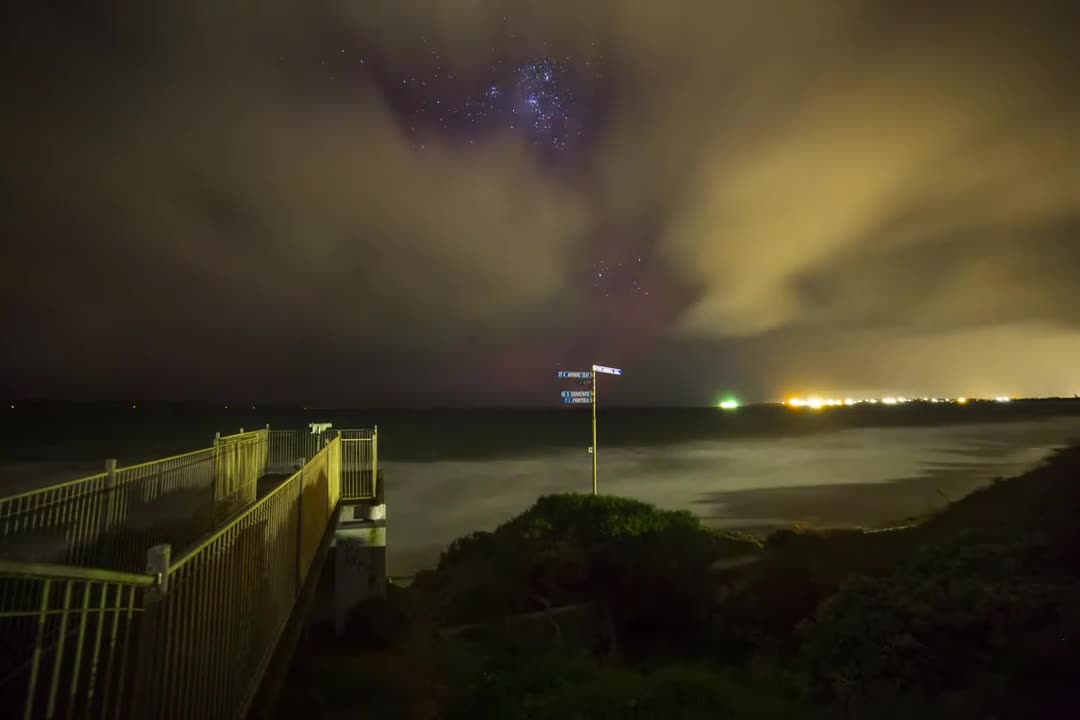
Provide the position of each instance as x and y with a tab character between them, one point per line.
729	403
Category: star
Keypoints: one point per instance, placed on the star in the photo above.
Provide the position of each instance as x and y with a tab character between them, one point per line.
544	88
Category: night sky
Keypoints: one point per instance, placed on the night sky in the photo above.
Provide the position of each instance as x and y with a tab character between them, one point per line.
443	203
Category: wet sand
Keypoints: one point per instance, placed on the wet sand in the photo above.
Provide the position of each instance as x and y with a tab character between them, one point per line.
850	478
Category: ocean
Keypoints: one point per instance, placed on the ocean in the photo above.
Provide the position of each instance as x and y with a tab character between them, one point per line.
451	472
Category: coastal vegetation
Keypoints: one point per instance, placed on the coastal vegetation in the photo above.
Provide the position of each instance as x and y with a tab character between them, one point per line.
605	607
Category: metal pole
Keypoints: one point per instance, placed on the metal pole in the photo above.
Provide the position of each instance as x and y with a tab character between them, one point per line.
594	448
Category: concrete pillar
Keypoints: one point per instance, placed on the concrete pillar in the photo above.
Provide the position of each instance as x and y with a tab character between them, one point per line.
359	558
152	647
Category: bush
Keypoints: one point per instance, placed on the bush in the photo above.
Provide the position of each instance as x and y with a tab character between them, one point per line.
572	688
651	568
980	614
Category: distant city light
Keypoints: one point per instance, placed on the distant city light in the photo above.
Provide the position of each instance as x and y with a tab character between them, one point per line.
816	403
729	404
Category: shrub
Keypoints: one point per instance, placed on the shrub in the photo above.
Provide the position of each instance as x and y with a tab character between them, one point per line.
558	688
651	568
977	612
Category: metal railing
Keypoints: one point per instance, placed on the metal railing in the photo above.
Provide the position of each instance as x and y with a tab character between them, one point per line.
184	638
213	623
359	463
109	520
67	640
240	461
288	445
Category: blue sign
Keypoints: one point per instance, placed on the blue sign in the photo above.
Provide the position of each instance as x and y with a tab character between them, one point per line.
574	374
576	400
576	393
608	370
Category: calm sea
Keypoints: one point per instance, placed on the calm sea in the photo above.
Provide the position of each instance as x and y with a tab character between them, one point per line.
450	472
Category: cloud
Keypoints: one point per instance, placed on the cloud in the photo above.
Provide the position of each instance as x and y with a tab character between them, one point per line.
814	179
928	139
203	205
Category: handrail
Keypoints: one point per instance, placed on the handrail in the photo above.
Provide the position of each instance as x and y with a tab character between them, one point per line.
57	486
128	468
236	437
72	572
100	476
214	622
110	519
209	539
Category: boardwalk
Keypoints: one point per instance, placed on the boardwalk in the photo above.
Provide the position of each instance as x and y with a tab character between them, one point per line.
161	590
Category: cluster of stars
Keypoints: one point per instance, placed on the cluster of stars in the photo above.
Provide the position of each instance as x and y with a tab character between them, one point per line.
618	278
546	102
536	99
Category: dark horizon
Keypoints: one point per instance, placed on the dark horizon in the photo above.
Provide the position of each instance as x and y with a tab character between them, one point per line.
24	403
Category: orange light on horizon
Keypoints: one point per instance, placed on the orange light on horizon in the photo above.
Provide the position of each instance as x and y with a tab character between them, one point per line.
816	402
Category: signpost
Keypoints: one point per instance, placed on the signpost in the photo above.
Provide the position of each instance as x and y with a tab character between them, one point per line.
581	397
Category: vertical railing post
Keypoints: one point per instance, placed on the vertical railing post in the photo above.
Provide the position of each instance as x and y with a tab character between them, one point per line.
110	520
266	454
42	622
216	493
152	671
300	529
375	462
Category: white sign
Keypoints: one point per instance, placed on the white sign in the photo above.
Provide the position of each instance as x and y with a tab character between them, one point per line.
605	369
